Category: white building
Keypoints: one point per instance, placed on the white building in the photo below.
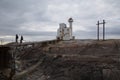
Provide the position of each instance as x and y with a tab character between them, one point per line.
64	32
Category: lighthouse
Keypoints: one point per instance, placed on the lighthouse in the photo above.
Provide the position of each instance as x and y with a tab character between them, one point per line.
70	20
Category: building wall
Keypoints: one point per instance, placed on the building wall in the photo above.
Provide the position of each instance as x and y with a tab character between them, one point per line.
66	34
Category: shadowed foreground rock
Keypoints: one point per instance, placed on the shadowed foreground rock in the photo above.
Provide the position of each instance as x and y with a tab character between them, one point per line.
61	69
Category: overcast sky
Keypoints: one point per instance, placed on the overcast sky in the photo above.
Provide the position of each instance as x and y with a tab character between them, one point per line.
39	20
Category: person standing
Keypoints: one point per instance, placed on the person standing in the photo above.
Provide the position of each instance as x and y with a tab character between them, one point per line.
21	39
16	39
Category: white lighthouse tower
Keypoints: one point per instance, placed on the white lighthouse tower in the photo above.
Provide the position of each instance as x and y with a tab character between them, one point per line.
70	20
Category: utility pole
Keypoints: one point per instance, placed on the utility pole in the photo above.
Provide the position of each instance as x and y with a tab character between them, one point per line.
98	31
103	30
98	23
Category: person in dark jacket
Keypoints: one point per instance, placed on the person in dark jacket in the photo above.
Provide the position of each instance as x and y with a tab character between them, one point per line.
21	39
16	39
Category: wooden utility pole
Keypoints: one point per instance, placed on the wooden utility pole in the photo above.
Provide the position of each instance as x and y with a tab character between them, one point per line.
103	30
98	23
98	31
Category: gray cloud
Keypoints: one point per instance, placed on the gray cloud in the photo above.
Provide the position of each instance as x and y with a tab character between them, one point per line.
42	17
